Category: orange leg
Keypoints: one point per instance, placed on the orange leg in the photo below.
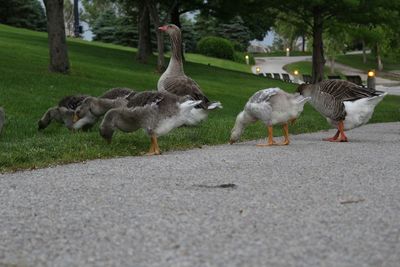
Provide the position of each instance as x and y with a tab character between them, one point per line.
285	134
340	132
154	149
270	139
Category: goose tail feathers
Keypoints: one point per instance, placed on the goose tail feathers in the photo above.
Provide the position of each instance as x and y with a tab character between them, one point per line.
214	105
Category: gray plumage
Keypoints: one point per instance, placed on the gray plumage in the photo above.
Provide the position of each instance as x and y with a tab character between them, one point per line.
156	112
92	108
62	113
2	118
117	92
174	80
271	106
328	96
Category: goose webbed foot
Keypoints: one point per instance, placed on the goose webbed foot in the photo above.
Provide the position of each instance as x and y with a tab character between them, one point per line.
270	141
154	148
340	136
286	141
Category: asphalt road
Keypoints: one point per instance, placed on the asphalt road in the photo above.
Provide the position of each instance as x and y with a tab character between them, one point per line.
311	203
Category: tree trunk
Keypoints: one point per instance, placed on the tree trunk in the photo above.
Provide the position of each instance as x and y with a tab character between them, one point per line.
364	52
59	61
76	19
378	58
318	59
175	19
303	43
160	37
144	45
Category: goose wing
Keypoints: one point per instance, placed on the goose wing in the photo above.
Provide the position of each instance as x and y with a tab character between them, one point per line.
71	102
183	86
345	91
152	98
117	92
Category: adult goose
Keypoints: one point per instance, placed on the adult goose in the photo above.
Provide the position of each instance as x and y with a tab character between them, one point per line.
94	107
345	105
2	118
175	81
62	113
271	106
156	112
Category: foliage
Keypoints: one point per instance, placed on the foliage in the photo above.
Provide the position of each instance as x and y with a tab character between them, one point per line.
27	14
216	47
190	36
28	90
235	31
109	28
240	58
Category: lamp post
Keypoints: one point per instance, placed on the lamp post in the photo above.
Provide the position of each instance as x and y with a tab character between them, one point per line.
247	59
371	79
296	76
287	51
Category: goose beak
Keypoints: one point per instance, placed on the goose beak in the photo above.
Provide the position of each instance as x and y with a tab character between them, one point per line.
163	28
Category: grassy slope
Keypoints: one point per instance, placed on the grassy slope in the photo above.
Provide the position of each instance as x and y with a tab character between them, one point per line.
355	61
27	89
305	67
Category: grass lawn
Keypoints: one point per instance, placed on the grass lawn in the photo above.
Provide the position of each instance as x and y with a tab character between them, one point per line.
217	62
355	61
305	67
27	89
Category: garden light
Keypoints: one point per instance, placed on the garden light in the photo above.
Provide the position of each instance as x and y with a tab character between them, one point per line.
371	73
371	79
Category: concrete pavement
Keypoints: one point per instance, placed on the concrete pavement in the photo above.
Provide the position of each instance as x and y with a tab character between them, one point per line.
311	203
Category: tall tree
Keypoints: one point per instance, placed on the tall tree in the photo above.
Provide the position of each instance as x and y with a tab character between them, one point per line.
154	11
144	45
76	19
27	14
319	15
59	61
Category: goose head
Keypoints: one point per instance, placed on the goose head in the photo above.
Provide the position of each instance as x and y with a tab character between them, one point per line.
305	89
170	29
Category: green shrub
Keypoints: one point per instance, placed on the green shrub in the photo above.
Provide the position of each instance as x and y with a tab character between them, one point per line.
240	58
216	47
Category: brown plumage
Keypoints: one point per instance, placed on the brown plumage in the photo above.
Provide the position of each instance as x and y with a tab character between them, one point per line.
174	80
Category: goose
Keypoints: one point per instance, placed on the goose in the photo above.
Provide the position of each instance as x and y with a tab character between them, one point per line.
174	80
271	106
345	105
62	113
156	112
94	107
2	118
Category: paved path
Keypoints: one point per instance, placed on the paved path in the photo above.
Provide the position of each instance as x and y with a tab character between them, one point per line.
275	65
311	203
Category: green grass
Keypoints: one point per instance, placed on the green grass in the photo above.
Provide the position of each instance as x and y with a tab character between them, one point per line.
217	62
355	61
27	89
305	67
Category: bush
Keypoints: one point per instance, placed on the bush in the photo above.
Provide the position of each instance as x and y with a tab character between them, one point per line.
240	58
216	47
